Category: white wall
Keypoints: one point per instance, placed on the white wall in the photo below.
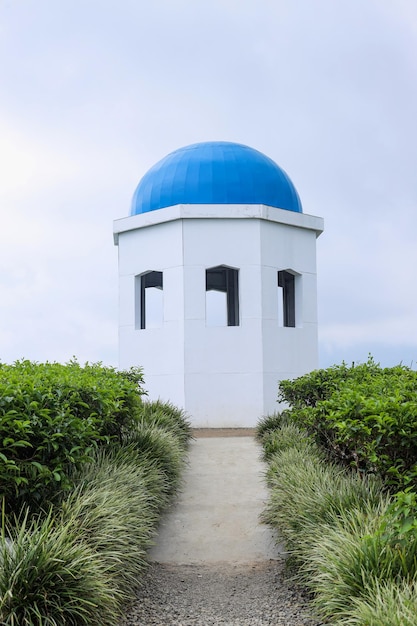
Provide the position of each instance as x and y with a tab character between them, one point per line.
222	376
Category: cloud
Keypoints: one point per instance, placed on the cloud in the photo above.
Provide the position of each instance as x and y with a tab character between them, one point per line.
391	331
95	93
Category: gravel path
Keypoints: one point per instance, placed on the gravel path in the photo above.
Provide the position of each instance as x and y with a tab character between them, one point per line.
214	563
256	594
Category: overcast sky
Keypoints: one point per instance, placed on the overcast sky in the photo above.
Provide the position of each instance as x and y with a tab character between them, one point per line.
94	92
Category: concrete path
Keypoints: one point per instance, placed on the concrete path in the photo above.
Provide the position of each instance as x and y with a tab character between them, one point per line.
216	516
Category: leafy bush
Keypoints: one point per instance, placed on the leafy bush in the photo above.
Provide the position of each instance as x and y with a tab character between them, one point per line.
78	565
91	468
355	545
52	418
319	385
365	416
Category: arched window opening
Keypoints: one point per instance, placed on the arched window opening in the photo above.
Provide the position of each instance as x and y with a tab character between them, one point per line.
222	296
149	300
286	298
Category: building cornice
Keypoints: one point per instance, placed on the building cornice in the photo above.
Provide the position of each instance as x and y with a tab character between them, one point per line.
217	211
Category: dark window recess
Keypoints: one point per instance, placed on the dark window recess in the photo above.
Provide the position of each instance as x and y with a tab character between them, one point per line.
226	280
286	281
148	281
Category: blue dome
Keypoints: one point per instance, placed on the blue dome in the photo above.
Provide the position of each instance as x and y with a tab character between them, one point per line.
215	172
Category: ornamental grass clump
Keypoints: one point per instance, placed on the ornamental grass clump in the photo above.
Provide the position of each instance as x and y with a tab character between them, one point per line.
268	424
288	436
307	491
79	565
115	508
347	504
90	467
388	603
50	578
160	448
355	545
168	417
354	558
119	497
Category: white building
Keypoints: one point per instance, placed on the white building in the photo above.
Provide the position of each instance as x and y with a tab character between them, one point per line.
217	279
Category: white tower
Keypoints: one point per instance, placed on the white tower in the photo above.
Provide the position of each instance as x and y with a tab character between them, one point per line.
217	283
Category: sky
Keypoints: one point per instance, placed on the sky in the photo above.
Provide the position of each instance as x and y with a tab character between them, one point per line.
94	92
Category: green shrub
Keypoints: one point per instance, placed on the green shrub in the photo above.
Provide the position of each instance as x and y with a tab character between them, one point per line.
318	385
401	517
79	565
355	544
52	418
49	578
365	417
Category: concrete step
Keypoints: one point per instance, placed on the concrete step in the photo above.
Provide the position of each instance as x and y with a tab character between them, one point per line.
216	516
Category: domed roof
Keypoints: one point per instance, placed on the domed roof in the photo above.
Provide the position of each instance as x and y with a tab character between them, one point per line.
215	172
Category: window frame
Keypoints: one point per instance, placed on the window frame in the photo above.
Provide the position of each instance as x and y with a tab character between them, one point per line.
149	279
225	279
287	280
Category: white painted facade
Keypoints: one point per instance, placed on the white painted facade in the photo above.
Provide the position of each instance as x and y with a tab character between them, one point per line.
223	376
